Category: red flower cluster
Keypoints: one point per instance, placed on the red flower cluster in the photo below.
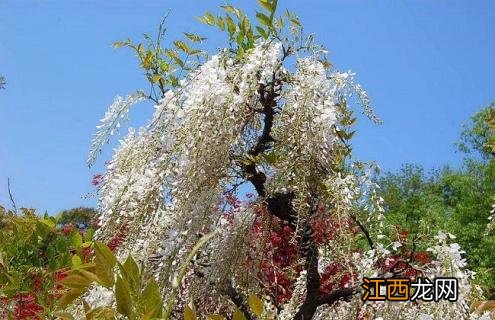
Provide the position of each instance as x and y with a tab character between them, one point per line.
401	263
119	238
97	179
335	277
59	289
86	253
67	229
326	226
281	260
26	306
279	267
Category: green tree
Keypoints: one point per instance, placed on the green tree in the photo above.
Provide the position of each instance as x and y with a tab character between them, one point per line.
478	135
80	217
411	198
457	200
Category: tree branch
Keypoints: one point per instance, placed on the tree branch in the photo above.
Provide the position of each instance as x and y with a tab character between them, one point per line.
308	308
268	101
364	231
254	176
238	300
340	294
10	196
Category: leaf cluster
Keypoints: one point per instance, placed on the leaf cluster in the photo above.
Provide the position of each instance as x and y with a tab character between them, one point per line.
137	296
34	247
242	32
163	67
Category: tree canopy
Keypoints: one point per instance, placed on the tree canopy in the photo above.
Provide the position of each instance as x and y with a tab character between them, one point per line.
80	217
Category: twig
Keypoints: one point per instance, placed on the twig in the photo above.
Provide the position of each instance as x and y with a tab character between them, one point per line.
10	195
364	230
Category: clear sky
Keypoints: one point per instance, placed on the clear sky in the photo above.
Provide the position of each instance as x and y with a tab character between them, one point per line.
428	65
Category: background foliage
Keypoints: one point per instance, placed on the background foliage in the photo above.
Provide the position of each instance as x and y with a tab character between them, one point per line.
458	200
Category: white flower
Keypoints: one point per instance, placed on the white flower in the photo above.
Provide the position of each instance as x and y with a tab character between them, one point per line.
396	245
111	121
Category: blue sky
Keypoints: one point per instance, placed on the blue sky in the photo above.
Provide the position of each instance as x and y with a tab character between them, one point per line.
428	65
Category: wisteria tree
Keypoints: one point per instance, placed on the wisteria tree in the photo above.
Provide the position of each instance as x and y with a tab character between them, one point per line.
251	147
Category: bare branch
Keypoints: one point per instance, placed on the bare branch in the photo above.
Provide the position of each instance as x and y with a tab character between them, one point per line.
10	195
363	230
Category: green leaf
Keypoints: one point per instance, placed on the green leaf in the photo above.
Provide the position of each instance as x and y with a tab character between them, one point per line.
238	315
262	32
76	240
245	25
256	305
295	21
132	271
240	38
156	78
263	19
90	277
118	44
194	37
101	313
76	261
88	236
153	314
189	314
139	49
230	25
63	316
182	46
152	299
86	244
208	19
215	317
174	80
220	23
50	222
105	262
250	37
267	5
69	297
240	51
147	60
196	52
164	66
174	56
232	10
106	253
74	281
123	297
